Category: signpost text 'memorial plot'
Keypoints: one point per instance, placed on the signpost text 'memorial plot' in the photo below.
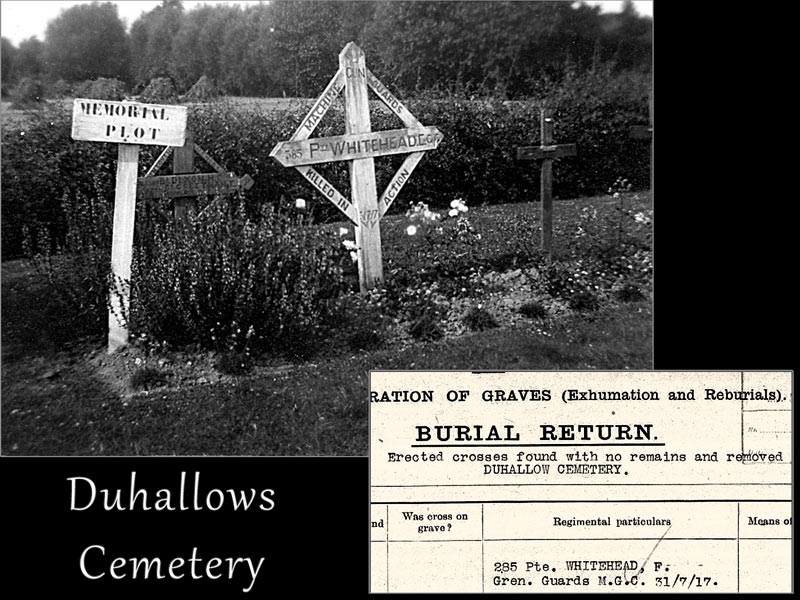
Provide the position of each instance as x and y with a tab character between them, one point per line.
128	124
360	145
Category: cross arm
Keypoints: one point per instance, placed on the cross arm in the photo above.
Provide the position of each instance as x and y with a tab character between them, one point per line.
540	152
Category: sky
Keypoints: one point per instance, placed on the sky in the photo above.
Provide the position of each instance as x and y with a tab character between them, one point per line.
21	19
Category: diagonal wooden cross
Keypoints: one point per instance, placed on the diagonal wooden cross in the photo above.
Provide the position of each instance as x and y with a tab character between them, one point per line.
359	147
184	185
546	152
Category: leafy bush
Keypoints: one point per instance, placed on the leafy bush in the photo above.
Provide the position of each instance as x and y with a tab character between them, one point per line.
28	92
533	310
426	327
203	90
146	378
227	281
234	363
476	161
160	90
628	292
78	270
584	300
102	88
478	319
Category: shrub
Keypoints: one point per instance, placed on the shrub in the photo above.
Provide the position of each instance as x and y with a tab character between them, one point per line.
202	91
533	310
478	319
476	161
584	301
628	292
234	363
102	88
227	281
77	270
61	89
146	378
28	92
426	327
361	320
160	90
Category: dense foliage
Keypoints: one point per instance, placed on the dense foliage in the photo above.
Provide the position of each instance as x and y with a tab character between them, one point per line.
476	161
289	47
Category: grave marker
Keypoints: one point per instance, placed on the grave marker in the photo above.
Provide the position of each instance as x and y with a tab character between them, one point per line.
359	146
546	152
128	124
185	185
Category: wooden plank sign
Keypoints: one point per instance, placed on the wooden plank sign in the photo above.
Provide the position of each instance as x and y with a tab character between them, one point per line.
195	184
185	186
128	124
546	152
349	147
359	146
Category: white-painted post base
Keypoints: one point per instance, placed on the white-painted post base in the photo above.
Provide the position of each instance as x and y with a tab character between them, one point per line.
122	245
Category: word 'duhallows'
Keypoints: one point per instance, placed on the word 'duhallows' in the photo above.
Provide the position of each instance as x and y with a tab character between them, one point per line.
128	122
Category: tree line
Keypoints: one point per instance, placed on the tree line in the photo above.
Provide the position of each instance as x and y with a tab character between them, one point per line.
290	47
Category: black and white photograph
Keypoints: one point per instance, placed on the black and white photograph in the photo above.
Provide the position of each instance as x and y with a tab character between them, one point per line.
218	217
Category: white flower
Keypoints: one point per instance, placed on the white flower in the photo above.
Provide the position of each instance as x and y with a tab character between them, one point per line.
411	230
463	208
300	204
455	203
354	255
641	218
453	212
343	231
350	244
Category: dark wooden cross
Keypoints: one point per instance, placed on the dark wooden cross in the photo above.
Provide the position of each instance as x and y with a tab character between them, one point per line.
546	152
645	132
184	185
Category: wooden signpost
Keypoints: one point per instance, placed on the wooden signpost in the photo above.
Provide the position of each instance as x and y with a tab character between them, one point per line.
546	152
128	124
359	146
184	186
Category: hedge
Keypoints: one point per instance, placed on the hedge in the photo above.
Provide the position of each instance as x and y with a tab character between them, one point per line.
476	160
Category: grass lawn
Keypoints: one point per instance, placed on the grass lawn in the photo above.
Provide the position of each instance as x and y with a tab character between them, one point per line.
65	396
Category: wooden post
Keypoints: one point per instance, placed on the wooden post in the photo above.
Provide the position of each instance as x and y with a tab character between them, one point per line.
129	124
183	162
359	147
362	170
546	152
546	187
122	244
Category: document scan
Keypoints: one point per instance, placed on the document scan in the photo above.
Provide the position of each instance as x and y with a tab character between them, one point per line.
581	481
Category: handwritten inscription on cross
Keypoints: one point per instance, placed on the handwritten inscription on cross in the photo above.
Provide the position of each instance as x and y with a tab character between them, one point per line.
359	146
546	152
184	186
